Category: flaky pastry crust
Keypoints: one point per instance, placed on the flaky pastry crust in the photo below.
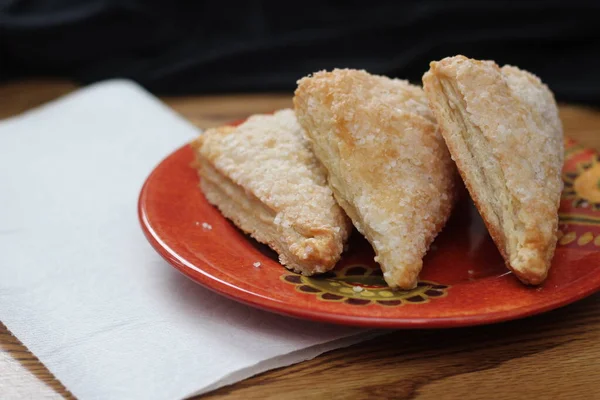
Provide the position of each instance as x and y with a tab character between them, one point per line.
263	177
502	128
387	165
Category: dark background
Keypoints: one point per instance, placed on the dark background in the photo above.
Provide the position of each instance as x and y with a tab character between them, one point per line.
197	47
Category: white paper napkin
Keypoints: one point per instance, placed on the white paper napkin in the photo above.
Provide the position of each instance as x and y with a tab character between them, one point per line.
81	287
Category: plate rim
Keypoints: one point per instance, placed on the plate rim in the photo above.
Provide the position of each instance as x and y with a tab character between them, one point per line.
200	275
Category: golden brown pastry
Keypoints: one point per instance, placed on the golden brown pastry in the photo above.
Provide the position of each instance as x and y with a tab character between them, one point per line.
502	128
263	177
387	165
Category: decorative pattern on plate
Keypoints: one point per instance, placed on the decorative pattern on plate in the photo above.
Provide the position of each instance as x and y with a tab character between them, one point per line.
361	285
583	184
579	224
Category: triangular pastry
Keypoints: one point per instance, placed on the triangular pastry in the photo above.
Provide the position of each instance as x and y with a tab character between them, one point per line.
263	177
502	128
387	165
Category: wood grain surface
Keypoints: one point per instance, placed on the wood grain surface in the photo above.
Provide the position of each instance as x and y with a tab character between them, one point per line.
551	356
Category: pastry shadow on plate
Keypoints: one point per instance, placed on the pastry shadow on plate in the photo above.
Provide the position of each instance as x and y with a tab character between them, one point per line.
463	251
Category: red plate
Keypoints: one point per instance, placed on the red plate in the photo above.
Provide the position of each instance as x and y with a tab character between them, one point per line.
463	282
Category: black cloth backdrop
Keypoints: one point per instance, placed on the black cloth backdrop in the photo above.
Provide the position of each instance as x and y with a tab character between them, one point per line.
196	47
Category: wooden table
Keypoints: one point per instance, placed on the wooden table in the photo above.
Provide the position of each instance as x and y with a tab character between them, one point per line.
555	355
